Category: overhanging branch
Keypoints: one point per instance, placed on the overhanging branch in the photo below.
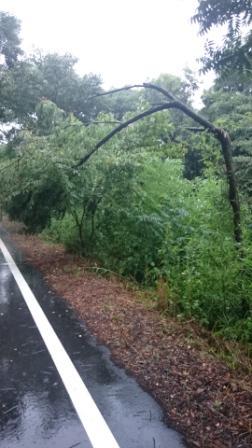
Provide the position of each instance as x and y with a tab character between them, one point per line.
179	105
122	126
220	134
145	85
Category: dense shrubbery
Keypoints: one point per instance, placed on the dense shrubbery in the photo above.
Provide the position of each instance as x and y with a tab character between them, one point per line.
180	231
151	223
132	208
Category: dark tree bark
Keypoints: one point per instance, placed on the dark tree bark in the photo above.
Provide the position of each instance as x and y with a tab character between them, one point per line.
233	193
220	134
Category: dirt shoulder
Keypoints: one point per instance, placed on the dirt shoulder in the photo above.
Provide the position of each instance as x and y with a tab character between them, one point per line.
201	396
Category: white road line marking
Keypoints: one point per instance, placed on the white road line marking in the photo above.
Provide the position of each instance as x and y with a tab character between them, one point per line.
93	422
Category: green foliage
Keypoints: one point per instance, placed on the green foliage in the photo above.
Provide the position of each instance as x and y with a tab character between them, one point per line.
121	103
176	230
63	231
35	207
53	77
9	38
194	164
63	86
9	52
232	110
32	186
235	52
152	203
218	12
181	88
167	227
131	208
21	87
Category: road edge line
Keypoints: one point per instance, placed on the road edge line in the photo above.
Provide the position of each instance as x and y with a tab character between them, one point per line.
91	418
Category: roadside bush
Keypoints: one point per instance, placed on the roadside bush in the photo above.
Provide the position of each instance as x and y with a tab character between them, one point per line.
34	207
168	227
63	231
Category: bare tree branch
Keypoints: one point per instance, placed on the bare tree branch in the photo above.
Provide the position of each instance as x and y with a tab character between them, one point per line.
80	125
172	105
110	92
104	122
193	129
146	85
179	105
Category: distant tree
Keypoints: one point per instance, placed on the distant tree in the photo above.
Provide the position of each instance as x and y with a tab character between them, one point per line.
183	88
21	87
20	83
9	39
51	77
122	102
9	52
24	82
236	51
66	88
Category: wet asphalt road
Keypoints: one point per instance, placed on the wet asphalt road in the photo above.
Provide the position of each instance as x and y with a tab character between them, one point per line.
35	410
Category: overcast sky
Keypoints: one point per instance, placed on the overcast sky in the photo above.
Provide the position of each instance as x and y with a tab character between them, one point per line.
126	41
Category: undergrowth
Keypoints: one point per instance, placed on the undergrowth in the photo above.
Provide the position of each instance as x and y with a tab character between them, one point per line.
167	230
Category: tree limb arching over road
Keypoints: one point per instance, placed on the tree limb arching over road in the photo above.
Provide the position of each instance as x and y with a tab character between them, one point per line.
220	134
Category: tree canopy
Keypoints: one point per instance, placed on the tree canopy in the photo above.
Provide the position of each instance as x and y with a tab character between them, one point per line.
9	39
236	51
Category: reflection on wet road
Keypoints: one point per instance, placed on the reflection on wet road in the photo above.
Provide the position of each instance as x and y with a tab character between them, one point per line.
35	410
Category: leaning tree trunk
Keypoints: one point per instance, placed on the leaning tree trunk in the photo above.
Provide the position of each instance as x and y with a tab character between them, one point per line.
220	134
233	194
